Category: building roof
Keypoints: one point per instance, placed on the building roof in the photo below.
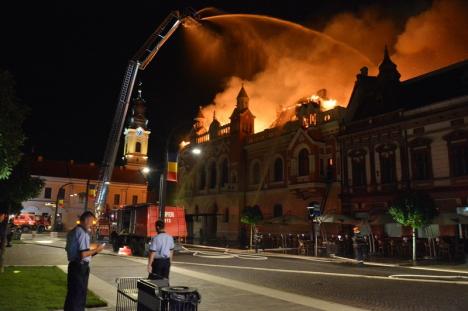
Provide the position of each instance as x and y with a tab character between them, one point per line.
70	169
371	97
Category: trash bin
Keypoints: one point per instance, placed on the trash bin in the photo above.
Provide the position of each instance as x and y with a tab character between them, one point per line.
179	298
148	294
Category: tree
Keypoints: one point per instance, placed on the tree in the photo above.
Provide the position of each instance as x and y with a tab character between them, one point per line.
12	115
413	209
251	215
19	187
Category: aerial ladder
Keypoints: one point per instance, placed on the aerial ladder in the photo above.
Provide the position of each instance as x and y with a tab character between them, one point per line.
139	61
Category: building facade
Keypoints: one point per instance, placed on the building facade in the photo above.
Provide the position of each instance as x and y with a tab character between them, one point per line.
407	135
283	169
73	185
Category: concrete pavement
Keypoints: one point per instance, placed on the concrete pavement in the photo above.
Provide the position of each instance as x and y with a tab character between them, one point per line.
291	283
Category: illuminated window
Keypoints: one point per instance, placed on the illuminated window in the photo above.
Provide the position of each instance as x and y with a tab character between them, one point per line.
327	117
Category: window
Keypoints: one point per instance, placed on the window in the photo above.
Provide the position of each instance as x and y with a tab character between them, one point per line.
303	162
277	210
278	170
116	199
213	175
224	173
321	168
387	167
138	147
202	178
459	159
226	215
256	173
134	199
421	163
47	193
358	167
387	163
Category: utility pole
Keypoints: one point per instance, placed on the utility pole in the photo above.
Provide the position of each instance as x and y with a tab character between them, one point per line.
56	203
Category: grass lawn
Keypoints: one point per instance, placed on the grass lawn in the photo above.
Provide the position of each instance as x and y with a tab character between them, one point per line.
36	288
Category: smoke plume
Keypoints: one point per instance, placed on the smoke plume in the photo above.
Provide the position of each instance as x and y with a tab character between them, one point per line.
280	62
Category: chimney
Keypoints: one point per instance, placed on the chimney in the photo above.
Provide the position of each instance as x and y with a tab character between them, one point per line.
40	158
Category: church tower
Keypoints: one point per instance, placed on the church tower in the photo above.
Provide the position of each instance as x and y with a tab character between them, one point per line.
242	119
137	135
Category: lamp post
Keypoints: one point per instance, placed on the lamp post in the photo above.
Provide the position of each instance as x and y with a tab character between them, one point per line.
56	204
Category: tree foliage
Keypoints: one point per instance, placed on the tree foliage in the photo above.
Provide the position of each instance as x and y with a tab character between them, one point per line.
12	115
414	209
251	215
19	187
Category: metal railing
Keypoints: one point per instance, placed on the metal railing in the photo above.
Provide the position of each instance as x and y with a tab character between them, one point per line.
127	293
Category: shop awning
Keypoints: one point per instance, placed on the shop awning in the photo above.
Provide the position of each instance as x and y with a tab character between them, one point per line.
450	219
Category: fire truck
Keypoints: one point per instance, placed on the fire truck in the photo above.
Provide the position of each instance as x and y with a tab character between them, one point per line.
29	221
136	226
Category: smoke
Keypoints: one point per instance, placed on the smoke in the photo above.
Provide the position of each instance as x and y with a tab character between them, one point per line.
433	39
427	41
280	62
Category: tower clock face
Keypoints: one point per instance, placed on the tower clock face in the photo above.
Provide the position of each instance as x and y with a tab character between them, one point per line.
139	131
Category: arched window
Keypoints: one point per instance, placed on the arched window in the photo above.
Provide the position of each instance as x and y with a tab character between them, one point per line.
213	175
278	170
138	147
256	173
303	162
224	173
202	178
277	210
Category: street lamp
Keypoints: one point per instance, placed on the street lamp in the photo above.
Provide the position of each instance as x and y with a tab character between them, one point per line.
145	170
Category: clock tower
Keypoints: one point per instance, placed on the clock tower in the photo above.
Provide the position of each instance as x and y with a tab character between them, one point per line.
137	135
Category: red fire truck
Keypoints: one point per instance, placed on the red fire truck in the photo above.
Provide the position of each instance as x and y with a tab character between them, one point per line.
29	221
136	226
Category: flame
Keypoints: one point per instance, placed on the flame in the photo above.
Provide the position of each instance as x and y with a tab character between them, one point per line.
328	104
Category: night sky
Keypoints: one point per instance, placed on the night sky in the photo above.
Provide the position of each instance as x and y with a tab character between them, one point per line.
68	60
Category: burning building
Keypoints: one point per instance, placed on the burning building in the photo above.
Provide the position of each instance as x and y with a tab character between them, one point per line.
349	161
282	169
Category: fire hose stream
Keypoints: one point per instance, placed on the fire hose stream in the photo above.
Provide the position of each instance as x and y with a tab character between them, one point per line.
223	255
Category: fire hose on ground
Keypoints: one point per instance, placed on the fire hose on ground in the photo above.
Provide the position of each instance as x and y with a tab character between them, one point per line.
221	255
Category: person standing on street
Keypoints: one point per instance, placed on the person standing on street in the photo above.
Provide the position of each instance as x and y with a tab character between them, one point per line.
79	256
161	250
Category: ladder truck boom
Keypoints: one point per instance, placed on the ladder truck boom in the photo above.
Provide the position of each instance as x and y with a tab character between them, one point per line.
138	62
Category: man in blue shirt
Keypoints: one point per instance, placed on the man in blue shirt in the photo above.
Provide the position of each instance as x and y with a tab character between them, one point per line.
161	249
79	256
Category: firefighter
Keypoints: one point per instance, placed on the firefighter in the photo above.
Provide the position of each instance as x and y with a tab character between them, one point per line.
79	256
161	250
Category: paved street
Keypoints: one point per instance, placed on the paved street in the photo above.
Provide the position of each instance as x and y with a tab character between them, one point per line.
277	283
